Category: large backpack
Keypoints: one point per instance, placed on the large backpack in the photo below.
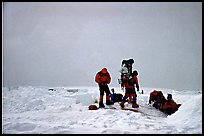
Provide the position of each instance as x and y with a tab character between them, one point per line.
124	75
128	64
126	71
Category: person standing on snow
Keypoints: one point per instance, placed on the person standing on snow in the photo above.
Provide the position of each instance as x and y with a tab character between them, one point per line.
129	85
103	79
135	79
135	83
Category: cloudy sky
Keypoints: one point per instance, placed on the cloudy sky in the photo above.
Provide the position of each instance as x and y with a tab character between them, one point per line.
66	44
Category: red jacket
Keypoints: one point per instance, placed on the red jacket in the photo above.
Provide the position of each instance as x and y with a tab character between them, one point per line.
153	96
102	78
129	83
170	104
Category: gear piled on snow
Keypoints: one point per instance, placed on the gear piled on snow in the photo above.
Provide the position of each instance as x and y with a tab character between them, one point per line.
115	97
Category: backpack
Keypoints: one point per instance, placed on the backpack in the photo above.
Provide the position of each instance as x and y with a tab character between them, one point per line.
124	75
128	64
126	70
93	107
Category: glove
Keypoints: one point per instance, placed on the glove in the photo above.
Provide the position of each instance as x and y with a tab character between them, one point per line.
137	86
122	88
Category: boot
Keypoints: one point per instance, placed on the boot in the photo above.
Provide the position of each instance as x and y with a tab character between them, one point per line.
135	105
101	105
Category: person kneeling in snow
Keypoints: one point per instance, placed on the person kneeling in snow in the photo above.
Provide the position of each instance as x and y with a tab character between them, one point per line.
158	98
170	106
103	79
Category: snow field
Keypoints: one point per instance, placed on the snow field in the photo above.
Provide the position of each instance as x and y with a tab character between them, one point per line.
64	110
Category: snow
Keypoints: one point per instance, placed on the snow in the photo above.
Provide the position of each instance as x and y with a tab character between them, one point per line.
64	110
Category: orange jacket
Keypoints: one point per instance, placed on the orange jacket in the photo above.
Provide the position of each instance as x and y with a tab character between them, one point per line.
170	104
102	78
154	93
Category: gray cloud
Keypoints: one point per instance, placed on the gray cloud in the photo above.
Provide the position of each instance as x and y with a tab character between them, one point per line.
66	44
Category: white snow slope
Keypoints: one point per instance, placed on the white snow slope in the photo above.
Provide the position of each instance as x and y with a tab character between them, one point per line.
38	110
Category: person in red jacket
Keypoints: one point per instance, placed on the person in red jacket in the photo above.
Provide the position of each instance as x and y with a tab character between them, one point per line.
135	79
170	106
129	85
136	84
157	98
103	79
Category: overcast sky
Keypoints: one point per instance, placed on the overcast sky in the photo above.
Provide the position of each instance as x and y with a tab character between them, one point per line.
66	44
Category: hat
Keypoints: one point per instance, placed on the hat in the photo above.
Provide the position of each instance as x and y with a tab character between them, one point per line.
169	96
104	70
135	72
